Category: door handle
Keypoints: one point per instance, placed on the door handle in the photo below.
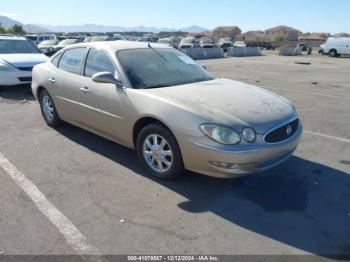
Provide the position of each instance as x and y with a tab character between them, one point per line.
85	89
52	80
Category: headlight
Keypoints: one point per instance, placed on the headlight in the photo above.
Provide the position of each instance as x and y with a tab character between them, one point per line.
221	134
4	67
249	134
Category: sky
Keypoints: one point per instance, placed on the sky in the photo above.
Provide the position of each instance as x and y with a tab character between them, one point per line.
305	15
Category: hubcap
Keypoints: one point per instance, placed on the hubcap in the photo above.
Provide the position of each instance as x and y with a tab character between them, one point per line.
48	108
157	153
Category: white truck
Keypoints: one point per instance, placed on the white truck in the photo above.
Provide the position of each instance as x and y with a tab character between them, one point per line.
335	47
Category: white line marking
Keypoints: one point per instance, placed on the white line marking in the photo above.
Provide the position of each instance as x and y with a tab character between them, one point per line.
75	239
327	136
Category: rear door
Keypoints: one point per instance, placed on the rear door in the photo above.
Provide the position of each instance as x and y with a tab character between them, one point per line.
70	96
106	101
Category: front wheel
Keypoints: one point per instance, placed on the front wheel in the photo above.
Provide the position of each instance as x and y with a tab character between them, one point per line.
48	109
159	152
333	53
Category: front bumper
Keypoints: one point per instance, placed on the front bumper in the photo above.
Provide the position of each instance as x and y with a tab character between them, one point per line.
15	78
203	156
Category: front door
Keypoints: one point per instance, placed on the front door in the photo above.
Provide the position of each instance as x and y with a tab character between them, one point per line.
105	101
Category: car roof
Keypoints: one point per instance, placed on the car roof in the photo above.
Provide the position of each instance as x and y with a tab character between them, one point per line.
115	46
12	38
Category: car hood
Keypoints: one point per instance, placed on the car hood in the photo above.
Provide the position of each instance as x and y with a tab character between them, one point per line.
230	103
24	60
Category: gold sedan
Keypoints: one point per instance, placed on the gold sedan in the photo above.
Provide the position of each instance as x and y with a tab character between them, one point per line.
155	99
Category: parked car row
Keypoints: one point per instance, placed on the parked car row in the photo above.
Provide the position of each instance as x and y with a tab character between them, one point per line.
208	42
50	43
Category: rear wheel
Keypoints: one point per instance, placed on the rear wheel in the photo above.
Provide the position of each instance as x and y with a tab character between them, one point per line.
333	53
159	152
48	109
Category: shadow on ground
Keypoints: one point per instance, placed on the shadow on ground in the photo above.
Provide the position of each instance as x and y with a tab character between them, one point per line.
18	93
300	203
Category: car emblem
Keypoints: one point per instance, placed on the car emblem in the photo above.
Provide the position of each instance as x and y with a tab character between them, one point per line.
289	130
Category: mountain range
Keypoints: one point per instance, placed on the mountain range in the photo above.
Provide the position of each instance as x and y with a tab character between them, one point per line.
39	28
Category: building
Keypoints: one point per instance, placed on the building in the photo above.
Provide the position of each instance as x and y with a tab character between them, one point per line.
282	33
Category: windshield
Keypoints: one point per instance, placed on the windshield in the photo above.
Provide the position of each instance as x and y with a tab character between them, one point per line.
17	47
226	39
187	40
99	39
207	41
68	42
152	68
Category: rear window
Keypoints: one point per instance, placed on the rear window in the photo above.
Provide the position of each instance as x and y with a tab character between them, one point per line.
72	60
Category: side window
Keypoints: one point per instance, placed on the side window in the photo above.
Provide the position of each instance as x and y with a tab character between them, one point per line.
72	60
96	62
56	58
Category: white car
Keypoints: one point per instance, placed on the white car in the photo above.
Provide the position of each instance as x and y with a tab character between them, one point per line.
67	42
207	42
225	43
337	46
18	56
239	44
187	42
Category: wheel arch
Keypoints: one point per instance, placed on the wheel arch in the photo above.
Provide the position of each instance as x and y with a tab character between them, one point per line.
39	90
148	120
333	49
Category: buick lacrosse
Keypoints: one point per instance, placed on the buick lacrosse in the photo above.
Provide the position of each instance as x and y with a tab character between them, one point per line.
172	111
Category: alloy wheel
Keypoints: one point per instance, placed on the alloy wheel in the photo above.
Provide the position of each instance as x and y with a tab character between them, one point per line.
157	153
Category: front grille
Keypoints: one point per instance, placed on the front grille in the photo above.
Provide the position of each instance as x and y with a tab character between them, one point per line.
25	68
282	133
25	79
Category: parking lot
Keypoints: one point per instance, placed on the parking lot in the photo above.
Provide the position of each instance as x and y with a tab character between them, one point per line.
107	204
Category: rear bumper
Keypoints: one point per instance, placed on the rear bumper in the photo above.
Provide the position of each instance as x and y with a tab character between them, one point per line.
15	78
231	161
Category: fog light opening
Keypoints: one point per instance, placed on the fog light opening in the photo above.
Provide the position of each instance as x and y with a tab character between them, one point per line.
222	165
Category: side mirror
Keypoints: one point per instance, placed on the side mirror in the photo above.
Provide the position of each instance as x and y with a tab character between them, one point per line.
107	78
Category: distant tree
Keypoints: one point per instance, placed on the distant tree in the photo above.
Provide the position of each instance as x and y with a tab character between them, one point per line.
226	31
279	37
17	30
2	29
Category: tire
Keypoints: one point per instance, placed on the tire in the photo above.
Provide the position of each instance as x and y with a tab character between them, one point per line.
48	109
171	166
333	53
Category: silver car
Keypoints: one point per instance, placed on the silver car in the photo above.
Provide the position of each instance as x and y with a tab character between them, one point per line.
173	112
